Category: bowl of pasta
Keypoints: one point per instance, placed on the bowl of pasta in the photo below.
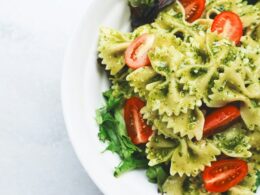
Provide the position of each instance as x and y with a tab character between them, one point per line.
163	96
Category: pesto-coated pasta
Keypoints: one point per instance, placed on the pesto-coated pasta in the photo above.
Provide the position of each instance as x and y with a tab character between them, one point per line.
177	151
234	142
192	71
111	47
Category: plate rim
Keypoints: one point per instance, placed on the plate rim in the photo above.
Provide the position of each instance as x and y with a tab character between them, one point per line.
64	75
63	92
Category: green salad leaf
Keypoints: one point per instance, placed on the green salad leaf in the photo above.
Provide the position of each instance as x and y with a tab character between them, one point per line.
136	161
157	174
145	11
252	1
137	3
258	179
112	130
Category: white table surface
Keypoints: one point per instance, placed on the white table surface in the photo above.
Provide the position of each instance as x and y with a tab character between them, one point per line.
36	157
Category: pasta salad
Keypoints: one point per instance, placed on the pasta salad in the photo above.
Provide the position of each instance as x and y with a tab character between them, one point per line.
184	101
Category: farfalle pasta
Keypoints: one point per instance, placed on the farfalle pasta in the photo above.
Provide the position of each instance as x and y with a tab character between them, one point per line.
190	71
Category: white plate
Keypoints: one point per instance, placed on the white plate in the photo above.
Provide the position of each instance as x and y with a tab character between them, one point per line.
82	86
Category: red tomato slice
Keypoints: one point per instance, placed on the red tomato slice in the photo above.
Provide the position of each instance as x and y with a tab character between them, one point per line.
136	54
137	129
193	9
229	25
220	118
224	174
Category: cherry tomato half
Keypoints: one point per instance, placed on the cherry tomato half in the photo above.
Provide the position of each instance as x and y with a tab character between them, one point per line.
224	174
136	54
220	118
137	129
193	9
229	25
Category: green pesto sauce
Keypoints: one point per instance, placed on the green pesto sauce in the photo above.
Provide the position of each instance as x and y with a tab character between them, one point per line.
196	72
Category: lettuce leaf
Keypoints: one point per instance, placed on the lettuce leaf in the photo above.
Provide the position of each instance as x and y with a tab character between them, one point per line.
258	179
157	174
145	11
137	3
112	130
136	161
252	1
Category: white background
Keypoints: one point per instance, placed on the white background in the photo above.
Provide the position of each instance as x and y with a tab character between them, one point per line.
36	157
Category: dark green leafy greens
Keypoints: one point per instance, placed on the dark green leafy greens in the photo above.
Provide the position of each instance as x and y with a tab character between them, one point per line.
258	179
113	131
137	3
145	11
252	1
157	174
136	161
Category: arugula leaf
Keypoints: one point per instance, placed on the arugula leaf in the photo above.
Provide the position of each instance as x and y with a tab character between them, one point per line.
251	1
112	130
257	179
136	161
112	127
145	11
157	174
137	3
112	102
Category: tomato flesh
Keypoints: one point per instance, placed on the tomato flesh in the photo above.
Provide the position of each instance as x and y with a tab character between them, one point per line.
137	129
136	54
193	9
229	25
224	174
220	118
